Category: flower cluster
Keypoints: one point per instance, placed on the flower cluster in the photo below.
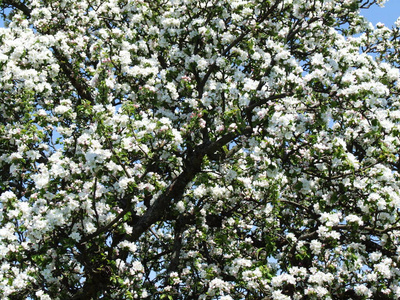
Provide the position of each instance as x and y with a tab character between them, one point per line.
189	149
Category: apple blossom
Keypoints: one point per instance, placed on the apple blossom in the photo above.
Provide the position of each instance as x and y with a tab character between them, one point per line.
188	149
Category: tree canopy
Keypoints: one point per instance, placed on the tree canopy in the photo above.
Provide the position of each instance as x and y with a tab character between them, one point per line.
212	149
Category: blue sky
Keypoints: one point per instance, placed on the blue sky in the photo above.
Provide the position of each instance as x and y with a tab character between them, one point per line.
387	15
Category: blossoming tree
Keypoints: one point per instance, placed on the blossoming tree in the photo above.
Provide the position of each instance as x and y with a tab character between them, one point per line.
212	149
